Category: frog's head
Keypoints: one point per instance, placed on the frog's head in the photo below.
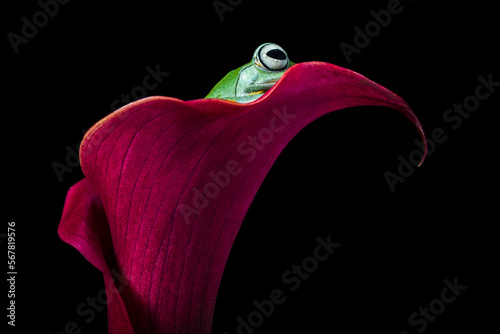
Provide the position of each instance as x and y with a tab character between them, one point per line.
250	81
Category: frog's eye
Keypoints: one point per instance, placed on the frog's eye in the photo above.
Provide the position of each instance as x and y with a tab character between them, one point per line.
271	56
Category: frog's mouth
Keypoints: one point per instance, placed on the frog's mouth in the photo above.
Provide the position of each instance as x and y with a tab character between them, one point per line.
260	88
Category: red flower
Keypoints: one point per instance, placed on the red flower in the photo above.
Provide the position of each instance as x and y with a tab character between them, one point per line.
168	183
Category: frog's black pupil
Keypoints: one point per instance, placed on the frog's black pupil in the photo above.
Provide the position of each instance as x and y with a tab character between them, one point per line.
276	54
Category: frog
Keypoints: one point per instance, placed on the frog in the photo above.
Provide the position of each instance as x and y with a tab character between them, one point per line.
251	81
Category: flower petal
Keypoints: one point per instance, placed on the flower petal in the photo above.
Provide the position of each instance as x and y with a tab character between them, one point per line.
176	178
85	227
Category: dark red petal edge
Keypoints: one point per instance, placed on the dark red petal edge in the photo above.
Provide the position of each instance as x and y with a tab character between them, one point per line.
84	226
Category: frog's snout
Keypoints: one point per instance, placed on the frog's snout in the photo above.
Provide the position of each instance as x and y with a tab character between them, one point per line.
261	87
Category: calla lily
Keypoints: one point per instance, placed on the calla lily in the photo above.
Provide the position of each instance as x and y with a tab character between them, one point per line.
168	183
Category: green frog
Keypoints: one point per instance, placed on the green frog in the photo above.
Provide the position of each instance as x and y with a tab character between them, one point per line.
250	81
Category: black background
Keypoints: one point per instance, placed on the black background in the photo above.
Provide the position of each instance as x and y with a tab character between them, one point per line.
396	247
